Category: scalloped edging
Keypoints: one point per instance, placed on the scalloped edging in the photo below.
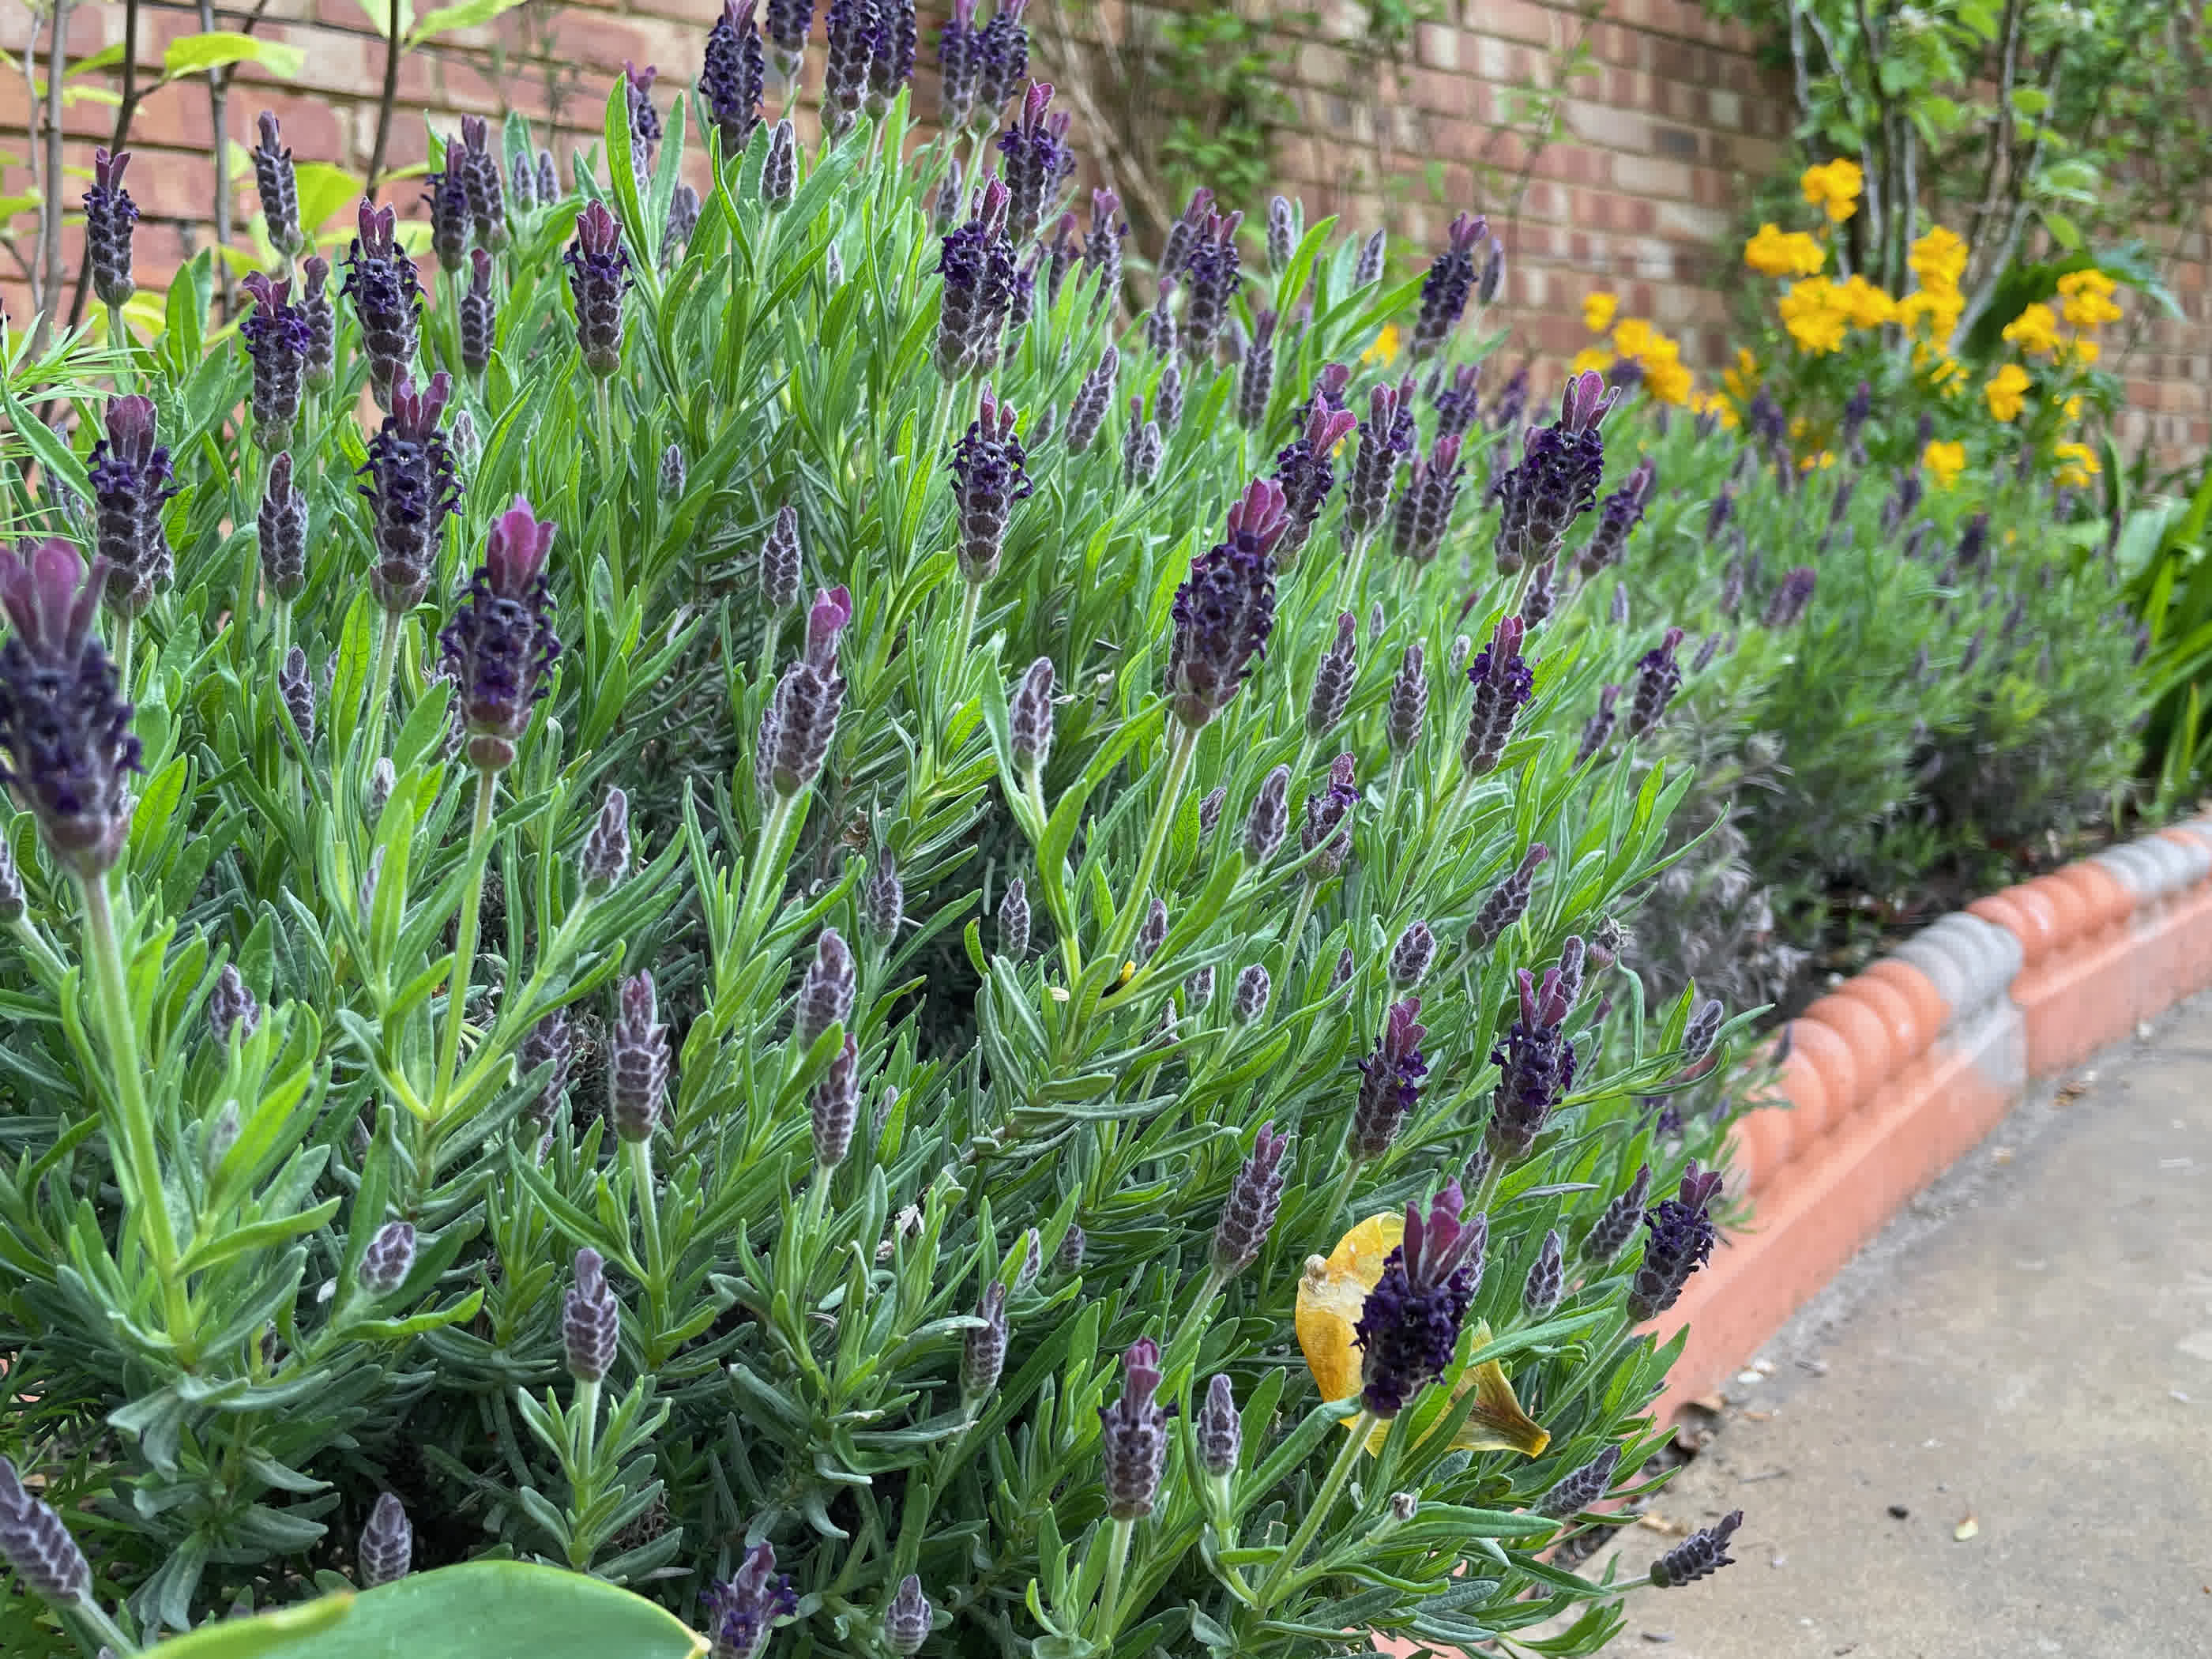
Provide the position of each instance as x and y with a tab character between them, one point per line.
1899	1072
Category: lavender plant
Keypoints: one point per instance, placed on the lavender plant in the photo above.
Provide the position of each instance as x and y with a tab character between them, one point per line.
505	1055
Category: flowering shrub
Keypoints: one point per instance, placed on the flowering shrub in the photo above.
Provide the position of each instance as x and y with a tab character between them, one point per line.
738	900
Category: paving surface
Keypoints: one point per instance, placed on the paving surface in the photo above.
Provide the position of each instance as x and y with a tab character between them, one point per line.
2024	1359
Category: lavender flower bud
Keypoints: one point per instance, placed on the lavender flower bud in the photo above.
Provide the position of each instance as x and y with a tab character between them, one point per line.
1701	1553
827	990
1029	717
385	1551
1504	683
1002	58
1198	989
109	214
1304	471
381	779
274	183
1133	1438
1225	612
1269	820
1384	441
36	1544
1703	1031
779	170
1152	932
1256	381
479	318
1326	830
591	1324
1546	1279
637	1062
989	476
388	1259
787	24
958	66
1248	1213
1167	400
834	1107
1424	509
1493	273
743	1610
683	219
1211	271
977	262
1368	267
908	1618
1790	597
1036	161
1389	1081
1537	602
1581	1490
1032	1262
1658	677
1219	1431
983	1347
1619	610
1140	449
130	477
448	199
276	338
1679	1241
802	719
1249	996
501	643
549	1043
480	181
412	487
883	896
733	77
606	856
1622	512
780	561
1618	1222
598	272
1101	248
549	180
388	299
1535	1066
1159	321
321	355
66	746
1088	410
1557	480
1443	293
1332	677
1014	921
231	1006
1068	1258
1408	708
1410	957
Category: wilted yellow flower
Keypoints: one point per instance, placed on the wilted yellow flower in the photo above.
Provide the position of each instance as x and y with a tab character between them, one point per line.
1597	311
2006	390
2088	298
2077	463
1331	1296
2035	329
1835	188
1938	258
1384	348
1775	252
1945	460
1864	304
1809	311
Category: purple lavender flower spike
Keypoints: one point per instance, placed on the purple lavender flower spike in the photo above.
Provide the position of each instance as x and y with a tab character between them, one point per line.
743	1609
283	523
1410	1325
412	486
957	66
1219	1430
276	184
853	32
988	478
1679	1241
1304	471
1458	402
1210	271
734	74
385	1551
388	299
1535	1065
36	1545
1504	683
1623	511
644	117
802	718
1703	1552
1002	58
1558	476
1133	1435
908	1618
1225	612
1597	731
109	214
637	1061
598	272
1451	277
322	322
500	642
1389	1081
1509	901
1385	439
130	478
787	24
1790	597
65	738
1248	1213
1037	160
591	1322
984	1347
1087	411
1425	505
481	181
1658	677
1184	233
1408	708
1256	380
1327	827
447	195
277	337
1101	248
479	321
977	264
1333	678
1618	1222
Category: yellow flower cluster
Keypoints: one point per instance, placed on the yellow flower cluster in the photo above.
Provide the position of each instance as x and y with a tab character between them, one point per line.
2035	330
1776	252
1634	340
2087	297
1938	261
2077	464
1945	460
1811	312
2006	392
1834	188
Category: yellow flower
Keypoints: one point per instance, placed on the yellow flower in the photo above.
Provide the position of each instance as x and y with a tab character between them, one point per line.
1385	347
1331	1297
2035	329
1825	457
1774	252
1809	311
2006	390
1590	357
1834	187
1945	460
1938	258
1939	308
1743	380
1597	311
1864	304
1667	380
2077	463
1634	337
1712	403
2084	351
2071	409
2088	298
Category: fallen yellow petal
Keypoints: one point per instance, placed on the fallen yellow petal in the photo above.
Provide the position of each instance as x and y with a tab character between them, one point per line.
1330	1296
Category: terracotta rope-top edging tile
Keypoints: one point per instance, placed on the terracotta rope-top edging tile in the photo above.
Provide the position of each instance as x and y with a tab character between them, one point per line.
1902	1070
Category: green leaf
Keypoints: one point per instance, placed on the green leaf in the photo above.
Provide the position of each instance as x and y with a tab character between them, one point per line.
2064	230
194	53
325	192
468	15
478	1610
380	15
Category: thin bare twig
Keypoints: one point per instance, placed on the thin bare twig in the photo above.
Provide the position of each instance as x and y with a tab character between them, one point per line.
50	202
123	110
218	114
384	102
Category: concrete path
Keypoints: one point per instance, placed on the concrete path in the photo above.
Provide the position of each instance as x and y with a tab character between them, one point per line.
1992	1437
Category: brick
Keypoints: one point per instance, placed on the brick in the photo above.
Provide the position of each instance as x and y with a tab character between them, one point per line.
1436	45
1649	176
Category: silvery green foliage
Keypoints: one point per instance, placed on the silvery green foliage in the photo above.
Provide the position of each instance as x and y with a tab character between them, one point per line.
784	1349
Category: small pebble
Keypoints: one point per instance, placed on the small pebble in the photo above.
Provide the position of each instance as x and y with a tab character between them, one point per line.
1898	1511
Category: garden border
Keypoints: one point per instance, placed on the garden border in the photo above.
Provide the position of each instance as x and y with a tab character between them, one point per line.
1901	1070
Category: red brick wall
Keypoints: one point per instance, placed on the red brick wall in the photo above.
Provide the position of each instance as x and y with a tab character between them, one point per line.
1638	195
